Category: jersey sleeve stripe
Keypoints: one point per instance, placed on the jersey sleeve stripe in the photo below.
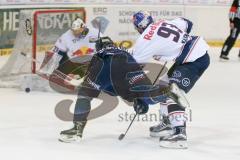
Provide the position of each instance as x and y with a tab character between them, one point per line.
189	53
187	49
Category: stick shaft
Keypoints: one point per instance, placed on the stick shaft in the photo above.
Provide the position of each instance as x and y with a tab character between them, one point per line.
131	123
160	72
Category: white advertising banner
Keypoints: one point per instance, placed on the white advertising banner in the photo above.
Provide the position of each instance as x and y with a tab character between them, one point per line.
210	22
207	2
114	1
198	2
169	1
223	2
118	2
139	2
120	26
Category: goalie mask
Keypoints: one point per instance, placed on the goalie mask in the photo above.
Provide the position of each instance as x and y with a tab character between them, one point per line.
78	26
142	20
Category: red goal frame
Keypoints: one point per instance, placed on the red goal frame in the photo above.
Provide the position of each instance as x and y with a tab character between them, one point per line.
35	29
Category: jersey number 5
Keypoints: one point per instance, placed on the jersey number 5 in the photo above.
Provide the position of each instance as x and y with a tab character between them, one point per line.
167	29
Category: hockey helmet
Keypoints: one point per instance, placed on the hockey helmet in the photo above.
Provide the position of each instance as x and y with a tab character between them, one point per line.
78	23
78	26
104	42
142	20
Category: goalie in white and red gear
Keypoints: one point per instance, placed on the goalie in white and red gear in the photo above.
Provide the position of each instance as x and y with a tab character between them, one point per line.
69	48
169	40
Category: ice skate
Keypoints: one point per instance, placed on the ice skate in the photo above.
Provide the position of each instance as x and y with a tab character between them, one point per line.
224	58
161	130
178	140
73	134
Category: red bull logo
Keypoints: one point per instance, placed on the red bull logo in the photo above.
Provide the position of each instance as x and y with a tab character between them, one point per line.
153	27
83	51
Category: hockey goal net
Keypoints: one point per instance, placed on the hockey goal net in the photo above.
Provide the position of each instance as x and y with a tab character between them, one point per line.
38	31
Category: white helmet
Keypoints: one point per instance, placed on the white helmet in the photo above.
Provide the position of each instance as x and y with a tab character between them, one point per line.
77	24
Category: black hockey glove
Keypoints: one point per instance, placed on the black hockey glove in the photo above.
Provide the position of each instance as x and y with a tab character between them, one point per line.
103	42
140	107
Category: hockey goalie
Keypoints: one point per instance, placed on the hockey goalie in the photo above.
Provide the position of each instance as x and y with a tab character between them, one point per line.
67	61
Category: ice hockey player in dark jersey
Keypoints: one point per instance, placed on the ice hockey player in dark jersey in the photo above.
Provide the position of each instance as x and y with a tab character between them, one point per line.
234	19
114	71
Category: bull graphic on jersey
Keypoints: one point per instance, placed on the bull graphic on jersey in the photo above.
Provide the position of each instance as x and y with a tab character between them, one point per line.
83	51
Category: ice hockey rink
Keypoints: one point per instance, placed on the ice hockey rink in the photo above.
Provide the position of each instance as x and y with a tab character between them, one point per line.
29	128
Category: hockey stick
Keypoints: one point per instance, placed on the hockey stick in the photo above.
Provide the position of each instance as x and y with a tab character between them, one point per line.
121	136
59	74
160	72
100	23
99	29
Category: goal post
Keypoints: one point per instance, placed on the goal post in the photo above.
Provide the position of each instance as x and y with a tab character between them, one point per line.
38	32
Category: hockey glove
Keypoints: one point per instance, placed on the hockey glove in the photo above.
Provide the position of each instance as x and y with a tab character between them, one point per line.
140	107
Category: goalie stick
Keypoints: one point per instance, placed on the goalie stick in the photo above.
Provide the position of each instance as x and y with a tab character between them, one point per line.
59	74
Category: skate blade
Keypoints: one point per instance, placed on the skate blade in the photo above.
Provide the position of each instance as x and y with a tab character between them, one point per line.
66	139
174	144
182	100
223	60
161	134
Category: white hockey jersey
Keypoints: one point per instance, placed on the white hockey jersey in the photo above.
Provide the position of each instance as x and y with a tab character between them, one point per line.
76	46
168	40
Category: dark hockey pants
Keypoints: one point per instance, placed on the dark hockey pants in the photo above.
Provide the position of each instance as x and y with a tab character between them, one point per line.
230	41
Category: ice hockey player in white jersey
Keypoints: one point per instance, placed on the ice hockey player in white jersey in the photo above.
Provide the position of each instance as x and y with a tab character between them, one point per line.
169	40
69	48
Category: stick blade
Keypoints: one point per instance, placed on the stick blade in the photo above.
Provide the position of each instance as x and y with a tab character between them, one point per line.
121	137
100	23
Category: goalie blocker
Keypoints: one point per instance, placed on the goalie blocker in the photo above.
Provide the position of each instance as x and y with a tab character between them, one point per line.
63	74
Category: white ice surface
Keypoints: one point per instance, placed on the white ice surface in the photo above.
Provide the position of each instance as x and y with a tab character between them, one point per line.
29	128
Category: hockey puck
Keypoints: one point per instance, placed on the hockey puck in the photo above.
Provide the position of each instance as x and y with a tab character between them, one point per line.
27	90
121	137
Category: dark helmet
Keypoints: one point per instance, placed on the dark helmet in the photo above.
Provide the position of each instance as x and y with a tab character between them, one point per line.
142	20
104	42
